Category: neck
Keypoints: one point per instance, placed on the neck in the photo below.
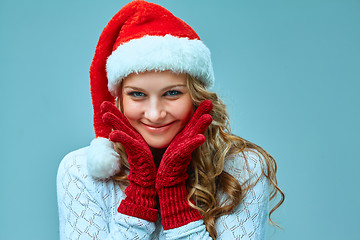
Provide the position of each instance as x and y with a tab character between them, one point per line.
157	155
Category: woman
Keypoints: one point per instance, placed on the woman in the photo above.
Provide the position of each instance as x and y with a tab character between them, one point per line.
172	169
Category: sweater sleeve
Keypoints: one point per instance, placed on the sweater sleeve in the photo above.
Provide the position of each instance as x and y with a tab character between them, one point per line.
88	207
249	219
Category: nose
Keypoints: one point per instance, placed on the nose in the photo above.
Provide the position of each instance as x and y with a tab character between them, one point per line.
155	111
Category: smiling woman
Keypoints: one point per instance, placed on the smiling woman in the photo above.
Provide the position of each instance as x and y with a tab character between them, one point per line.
157	104
164	164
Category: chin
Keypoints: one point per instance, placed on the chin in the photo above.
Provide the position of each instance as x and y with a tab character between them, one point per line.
158	143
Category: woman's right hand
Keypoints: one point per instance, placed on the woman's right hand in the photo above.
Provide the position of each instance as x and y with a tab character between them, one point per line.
142	166
141	194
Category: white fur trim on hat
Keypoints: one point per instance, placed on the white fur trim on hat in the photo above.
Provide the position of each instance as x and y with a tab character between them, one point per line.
102	159
180	55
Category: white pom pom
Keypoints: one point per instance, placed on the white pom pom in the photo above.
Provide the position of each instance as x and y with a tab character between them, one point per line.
102	159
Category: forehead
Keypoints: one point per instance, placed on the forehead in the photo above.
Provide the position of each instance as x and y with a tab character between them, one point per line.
155	79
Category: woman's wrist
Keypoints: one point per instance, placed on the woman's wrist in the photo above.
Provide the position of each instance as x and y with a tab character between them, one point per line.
140	202
174	206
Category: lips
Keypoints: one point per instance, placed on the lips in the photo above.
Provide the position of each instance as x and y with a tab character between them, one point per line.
157	128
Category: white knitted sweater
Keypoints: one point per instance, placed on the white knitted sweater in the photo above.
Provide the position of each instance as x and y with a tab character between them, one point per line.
88	206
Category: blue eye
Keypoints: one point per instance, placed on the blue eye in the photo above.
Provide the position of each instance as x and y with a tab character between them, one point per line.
136	94
172	93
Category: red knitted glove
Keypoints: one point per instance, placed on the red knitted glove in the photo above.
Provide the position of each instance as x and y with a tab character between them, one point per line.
172	172
141	196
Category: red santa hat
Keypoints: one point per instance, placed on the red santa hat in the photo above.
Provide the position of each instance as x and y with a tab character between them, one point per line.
141	37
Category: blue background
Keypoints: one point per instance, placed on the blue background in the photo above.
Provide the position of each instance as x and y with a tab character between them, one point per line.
288	70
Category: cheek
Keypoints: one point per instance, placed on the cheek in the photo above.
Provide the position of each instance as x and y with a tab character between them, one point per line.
131	110
185	112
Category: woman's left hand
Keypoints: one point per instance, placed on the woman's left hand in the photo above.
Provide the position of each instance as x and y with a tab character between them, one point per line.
171	175
177	157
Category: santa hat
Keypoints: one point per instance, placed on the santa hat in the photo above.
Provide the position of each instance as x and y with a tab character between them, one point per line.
141	37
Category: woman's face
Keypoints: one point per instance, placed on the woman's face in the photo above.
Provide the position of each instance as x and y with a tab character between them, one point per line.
157	104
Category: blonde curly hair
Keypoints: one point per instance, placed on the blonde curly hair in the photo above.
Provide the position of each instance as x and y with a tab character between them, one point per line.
206	172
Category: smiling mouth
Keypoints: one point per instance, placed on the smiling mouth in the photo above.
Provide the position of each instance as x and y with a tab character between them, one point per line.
159	126
158	129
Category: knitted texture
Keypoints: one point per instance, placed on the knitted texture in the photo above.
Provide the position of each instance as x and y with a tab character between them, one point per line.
141	195
174	207
171	175
140	202
88	206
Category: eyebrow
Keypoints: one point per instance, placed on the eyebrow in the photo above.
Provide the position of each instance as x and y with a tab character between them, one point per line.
165	88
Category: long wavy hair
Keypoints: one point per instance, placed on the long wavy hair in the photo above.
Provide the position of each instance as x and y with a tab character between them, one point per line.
206	172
